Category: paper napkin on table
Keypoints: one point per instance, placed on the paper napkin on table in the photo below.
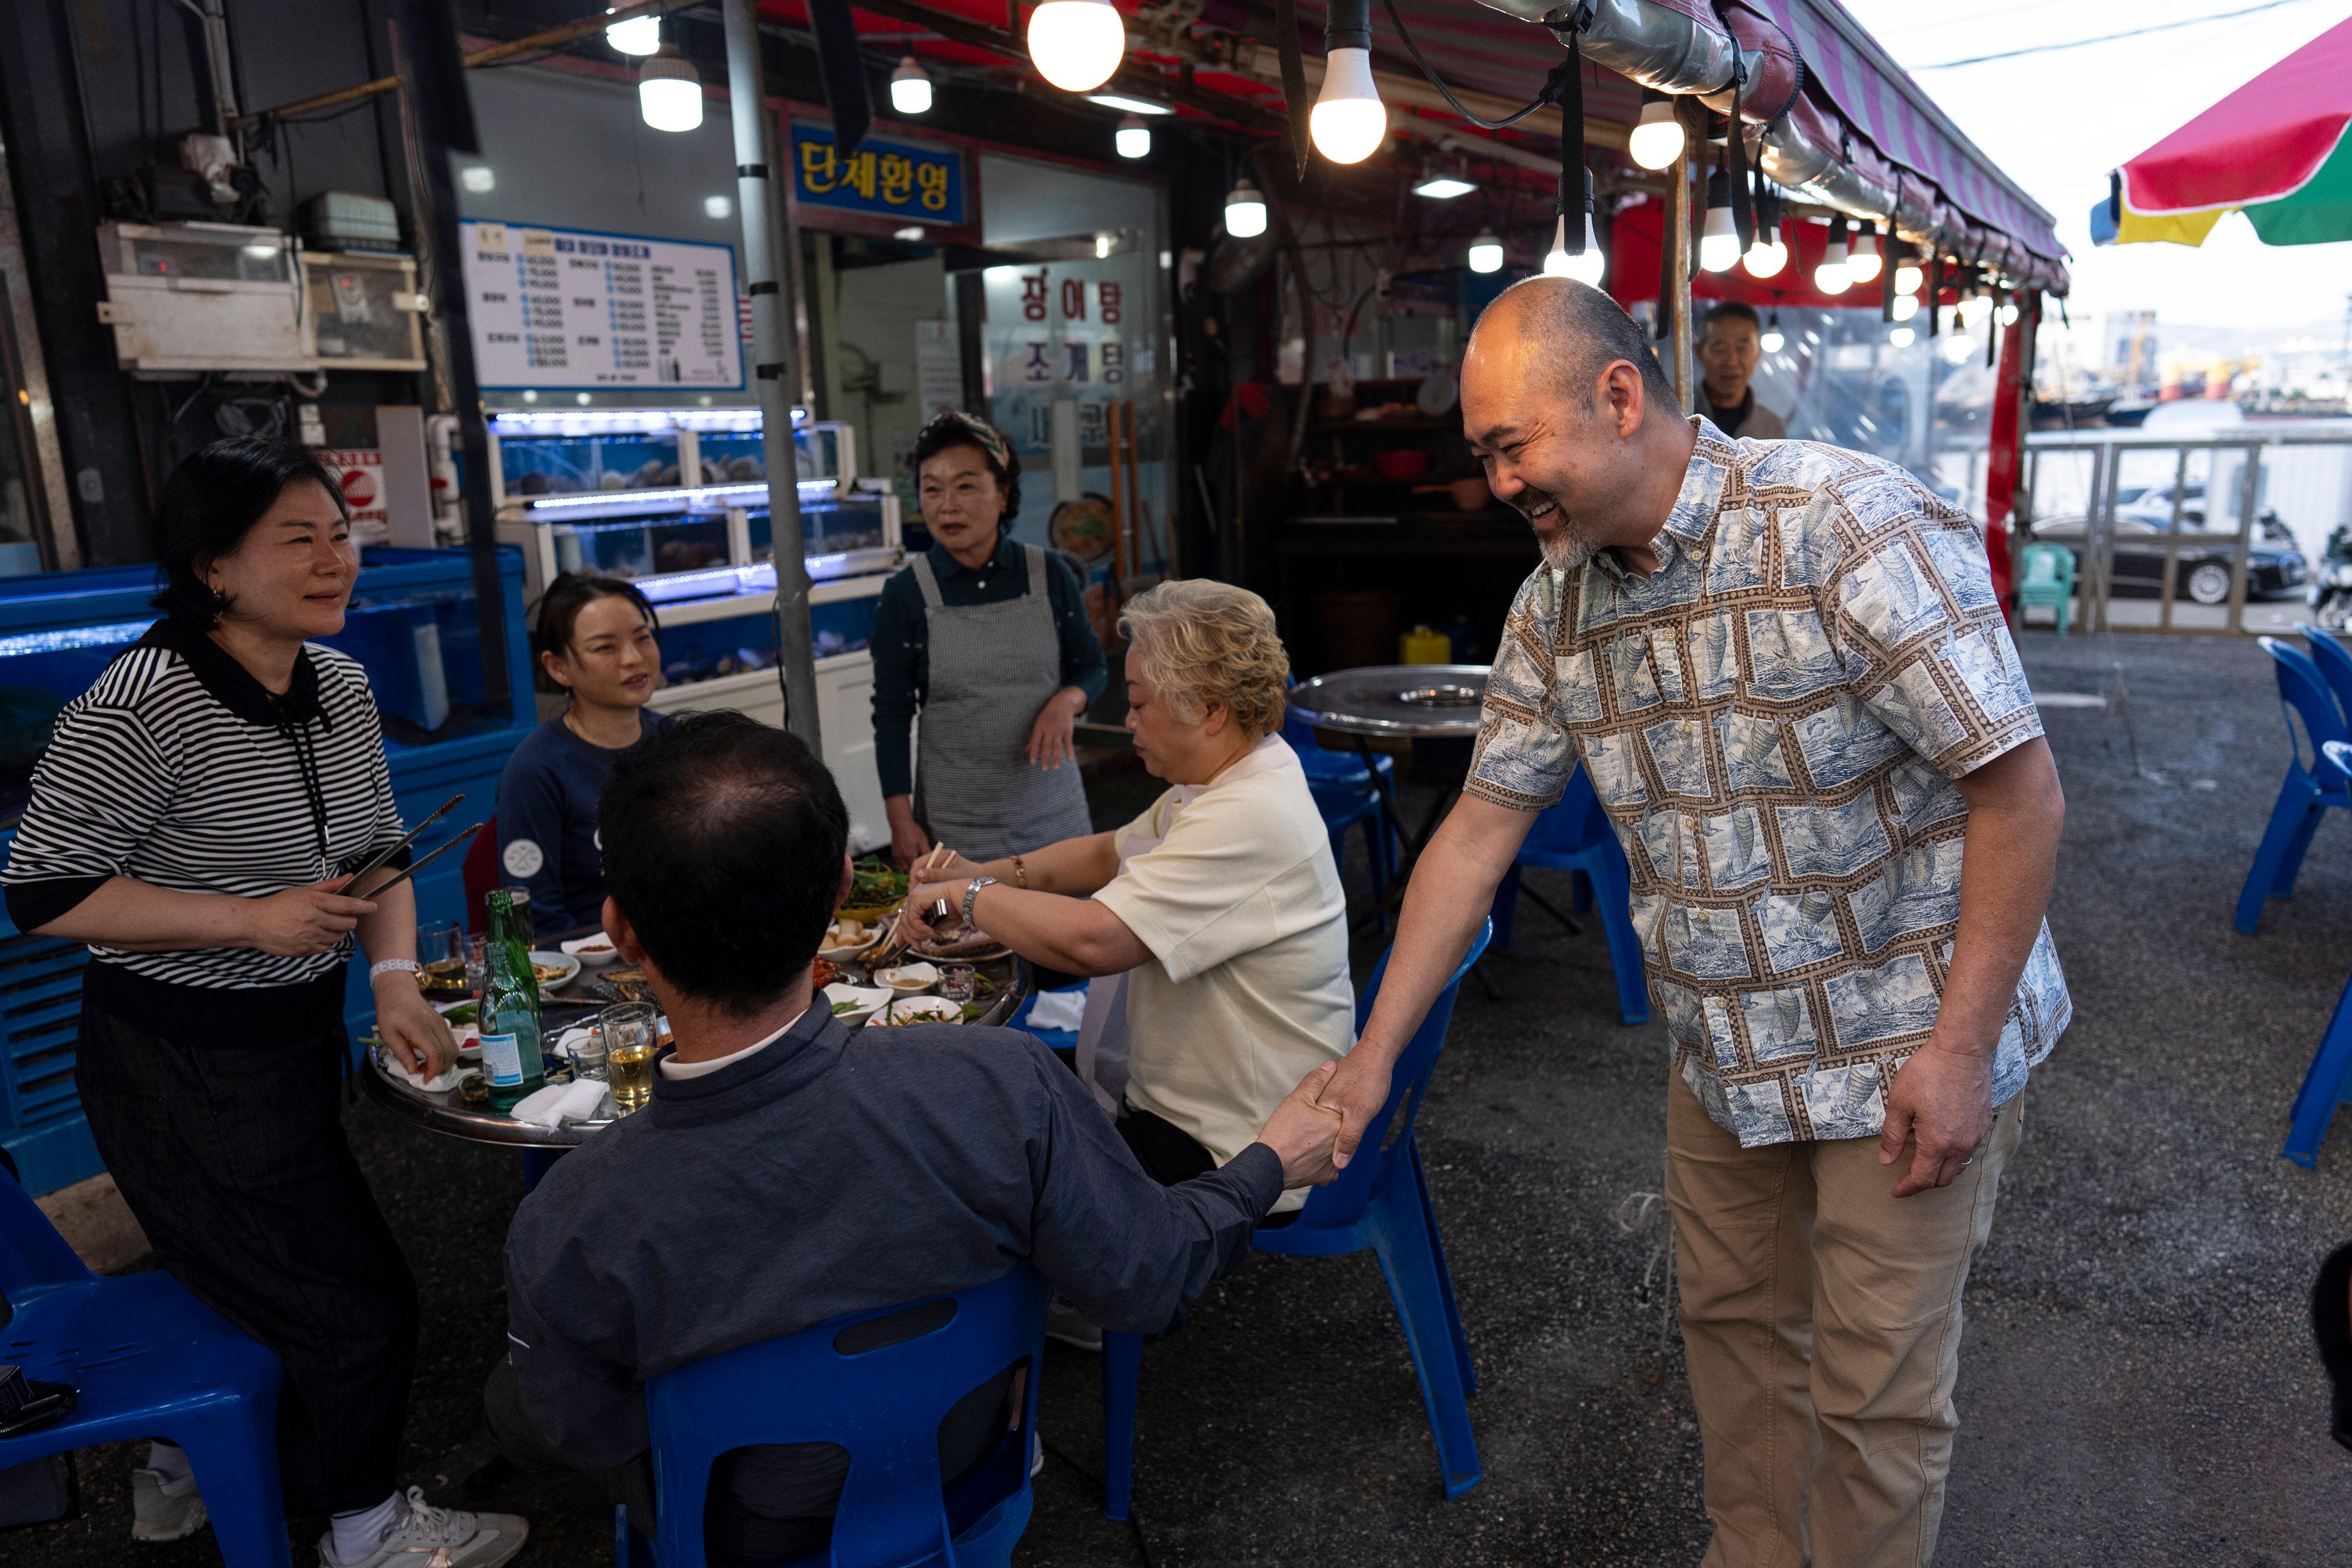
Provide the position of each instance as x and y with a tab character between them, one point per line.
1059	1009
561	1102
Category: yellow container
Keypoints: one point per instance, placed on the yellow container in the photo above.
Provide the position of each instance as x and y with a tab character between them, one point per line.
1421	645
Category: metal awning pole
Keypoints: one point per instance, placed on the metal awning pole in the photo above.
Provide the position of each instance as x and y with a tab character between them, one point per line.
1679	243
765	272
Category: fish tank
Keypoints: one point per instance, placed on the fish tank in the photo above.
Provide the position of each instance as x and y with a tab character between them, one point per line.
702	651
833	523
640	546
620	452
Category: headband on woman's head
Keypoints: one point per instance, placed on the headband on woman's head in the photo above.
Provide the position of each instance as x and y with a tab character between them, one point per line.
984	435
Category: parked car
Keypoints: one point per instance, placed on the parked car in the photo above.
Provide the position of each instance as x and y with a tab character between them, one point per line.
2274	568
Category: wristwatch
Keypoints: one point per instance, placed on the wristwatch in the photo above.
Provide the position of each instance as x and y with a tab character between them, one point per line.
972	890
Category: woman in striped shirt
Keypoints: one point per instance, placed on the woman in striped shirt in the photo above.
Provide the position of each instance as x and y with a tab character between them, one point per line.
195	821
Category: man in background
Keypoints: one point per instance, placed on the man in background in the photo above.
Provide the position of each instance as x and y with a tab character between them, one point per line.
1729	346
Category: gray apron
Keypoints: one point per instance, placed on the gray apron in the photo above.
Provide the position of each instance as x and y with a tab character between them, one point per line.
992	667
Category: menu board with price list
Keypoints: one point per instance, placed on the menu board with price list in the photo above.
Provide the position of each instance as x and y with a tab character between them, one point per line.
566	308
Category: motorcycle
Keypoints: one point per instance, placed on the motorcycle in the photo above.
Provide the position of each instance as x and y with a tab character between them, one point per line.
2330	594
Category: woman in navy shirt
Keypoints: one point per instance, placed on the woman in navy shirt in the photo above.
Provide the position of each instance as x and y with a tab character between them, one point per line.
594	639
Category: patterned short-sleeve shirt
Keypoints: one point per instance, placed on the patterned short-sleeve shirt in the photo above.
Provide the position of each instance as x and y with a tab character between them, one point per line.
1773	720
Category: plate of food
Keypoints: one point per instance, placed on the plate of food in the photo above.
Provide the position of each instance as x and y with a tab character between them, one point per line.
968	945
845	938
622	983
908	1010
853	1004
877	889
595	952
553	971
908	979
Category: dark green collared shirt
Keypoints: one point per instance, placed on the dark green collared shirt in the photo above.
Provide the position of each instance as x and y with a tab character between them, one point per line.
902	644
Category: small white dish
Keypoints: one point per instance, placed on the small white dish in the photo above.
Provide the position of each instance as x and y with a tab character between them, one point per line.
595	952
853	1004
910	979
542	959
921	1010
845	939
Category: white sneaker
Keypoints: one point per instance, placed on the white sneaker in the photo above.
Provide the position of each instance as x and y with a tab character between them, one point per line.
423	1536
1064	1323
164	1509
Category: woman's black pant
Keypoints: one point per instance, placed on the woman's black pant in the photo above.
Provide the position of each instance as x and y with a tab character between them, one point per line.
233	1159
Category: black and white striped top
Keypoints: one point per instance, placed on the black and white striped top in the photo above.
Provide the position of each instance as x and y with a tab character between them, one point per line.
179	769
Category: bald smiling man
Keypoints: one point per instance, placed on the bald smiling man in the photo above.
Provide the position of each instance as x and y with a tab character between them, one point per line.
1783	668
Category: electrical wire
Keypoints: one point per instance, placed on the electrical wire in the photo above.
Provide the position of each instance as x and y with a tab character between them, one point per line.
1404	34
2101	38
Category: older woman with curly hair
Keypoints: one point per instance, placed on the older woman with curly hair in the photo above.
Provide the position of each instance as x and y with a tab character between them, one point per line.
1215	919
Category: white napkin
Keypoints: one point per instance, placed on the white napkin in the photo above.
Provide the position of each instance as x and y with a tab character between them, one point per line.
1059	1009
561	1102
447	1079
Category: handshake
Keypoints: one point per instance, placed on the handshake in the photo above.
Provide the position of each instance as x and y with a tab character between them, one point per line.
1304	1133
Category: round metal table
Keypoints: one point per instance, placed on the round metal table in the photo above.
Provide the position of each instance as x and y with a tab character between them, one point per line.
1424	701
446	1113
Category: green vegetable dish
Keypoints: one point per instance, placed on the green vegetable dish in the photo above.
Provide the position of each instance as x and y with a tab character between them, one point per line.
875	882
841	1007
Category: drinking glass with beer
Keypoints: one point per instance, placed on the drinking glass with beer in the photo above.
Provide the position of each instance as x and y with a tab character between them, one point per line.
628	1031
441	955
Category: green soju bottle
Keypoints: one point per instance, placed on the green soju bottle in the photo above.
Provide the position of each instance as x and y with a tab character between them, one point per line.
510	1009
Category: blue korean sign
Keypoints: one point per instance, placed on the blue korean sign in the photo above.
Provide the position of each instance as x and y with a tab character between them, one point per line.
888	179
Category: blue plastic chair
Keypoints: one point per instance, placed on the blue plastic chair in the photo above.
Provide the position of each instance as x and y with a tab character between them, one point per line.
885	1406
1348	796
1381	1203
151	1361
2328	651
1574	835
2327	1082
2307	792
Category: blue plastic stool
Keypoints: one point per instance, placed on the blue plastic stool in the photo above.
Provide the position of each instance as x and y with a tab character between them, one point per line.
151	1361
1575	836
2328	651
1381	1203
885	1406
2327	1082
2307	792
1360	805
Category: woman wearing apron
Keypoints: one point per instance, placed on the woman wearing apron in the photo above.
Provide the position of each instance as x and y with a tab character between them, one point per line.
1214	922
988	641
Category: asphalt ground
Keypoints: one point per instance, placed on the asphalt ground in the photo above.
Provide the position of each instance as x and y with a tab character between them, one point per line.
2138	1385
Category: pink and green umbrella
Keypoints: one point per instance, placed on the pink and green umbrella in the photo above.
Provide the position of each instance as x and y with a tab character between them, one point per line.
2275	148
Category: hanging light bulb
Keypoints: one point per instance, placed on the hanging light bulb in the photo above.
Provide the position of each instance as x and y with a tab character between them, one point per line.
1831	277
1905	306
1902	337
1863	263
1907	280
670	93
1348	121
1974	309
1718	242
1774	338
1768	255
1486	252
1133	138
1446	181
1076	44
2008	314
911	87
1586	268
637	36
1245	209
1658	138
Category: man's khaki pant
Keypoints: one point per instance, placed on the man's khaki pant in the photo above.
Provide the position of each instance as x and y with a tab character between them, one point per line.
1821	1316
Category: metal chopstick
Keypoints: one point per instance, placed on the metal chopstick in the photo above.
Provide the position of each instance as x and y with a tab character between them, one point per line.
414	867
404	840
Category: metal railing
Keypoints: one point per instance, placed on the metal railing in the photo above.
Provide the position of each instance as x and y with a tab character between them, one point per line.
2096	577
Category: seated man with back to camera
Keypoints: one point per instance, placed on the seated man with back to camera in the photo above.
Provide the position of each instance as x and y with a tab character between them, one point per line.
788	1171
